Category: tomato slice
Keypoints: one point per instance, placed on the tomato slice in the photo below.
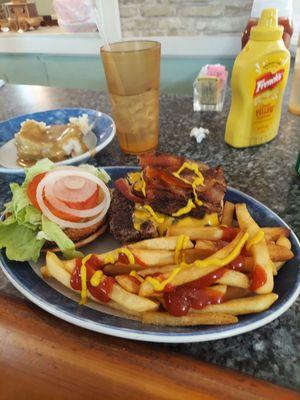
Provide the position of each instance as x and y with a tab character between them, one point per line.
31	189
91	202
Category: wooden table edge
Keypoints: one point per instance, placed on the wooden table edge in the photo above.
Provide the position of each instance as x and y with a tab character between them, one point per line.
41	355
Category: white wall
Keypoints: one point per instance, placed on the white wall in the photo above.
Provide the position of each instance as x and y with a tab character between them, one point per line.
44	7
296	20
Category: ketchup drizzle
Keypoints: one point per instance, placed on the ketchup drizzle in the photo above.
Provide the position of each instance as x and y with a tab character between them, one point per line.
100	292
258	278
197	294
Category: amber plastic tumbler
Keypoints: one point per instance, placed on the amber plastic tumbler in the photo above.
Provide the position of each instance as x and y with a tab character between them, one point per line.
132	71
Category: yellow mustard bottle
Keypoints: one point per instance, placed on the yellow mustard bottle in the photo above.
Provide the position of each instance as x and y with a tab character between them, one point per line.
258	81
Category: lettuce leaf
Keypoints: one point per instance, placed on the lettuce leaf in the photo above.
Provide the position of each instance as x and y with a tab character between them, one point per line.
56	234
25	230
41	166
99	172
21	210
20	199
20	242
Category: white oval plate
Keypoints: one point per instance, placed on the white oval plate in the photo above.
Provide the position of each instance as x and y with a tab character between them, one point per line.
63	303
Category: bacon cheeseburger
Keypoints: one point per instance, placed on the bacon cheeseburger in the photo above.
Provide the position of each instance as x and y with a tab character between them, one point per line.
168	190
61	208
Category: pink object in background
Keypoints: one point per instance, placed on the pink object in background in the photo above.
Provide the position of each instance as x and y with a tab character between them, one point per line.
217	70
75	15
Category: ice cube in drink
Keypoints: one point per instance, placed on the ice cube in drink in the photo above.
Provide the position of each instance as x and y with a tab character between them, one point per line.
137	120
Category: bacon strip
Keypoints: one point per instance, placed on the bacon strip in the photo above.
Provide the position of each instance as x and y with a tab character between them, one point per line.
161	160
157	178
123	186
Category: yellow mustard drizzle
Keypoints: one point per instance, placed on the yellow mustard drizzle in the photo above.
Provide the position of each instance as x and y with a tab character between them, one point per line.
197	182
137	276
97	278
185	210
207	262
192	167
141	215
143	185
133	177
112	256
83	293
256	239
153	214
159	286
137	180
181	244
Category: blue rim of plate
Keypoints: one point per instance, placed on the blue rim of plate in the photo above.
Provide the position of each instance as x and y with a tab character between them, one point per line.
104	133
287	285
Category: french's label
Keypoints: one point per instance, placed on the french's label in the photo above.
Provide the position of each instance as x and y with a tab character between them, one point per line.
268	81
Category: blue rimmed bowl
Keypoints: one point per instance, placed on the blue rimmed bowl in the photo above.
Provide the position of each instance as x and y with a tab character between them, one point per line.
102	133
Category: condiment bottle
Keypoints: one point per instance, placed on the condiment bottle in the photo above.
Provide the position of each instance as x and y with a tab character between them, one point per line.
294	103
258	81
285	9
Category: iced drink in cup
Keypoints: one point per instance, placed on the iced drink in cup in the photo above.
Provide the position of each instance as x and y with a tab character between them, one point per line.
132	71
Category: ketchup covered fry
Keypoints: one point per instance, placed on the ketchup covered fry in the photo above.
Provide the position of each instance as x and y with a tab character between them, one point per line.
126	300
262	275
189	273
128	283
236	263
247	305
165	269
119	268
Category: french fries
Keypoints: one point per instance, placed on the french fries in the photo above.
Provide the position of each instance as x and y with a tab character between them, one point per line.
165	243
196	233
228	212
275	232
163	318
283	242
119	268
234	278
258	250
154	257
128	301
236	293
127	283
247	305
207	258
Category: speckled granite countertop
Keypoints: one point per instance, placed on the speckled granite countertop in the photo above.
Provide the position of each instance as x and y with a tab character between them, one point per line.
266	172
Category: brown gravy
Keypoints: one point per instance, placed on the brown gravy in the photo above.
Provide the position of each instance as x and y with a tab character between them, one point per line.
34	142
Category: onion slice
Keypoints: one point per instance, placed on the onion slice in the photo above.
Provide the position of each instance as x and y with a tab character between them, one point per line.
61	206
47	183
74	189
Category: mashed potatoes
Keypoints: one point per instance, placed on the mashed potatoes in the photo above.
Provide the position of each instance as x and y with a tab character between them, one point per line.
36	140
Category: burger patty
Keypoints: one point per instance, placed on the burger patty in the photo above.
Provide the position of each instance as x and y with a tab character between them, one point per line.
78	234
120	221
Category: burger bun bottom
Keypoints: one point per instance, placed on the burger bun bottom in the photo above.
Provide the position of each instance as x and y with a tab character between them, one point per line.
81	241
